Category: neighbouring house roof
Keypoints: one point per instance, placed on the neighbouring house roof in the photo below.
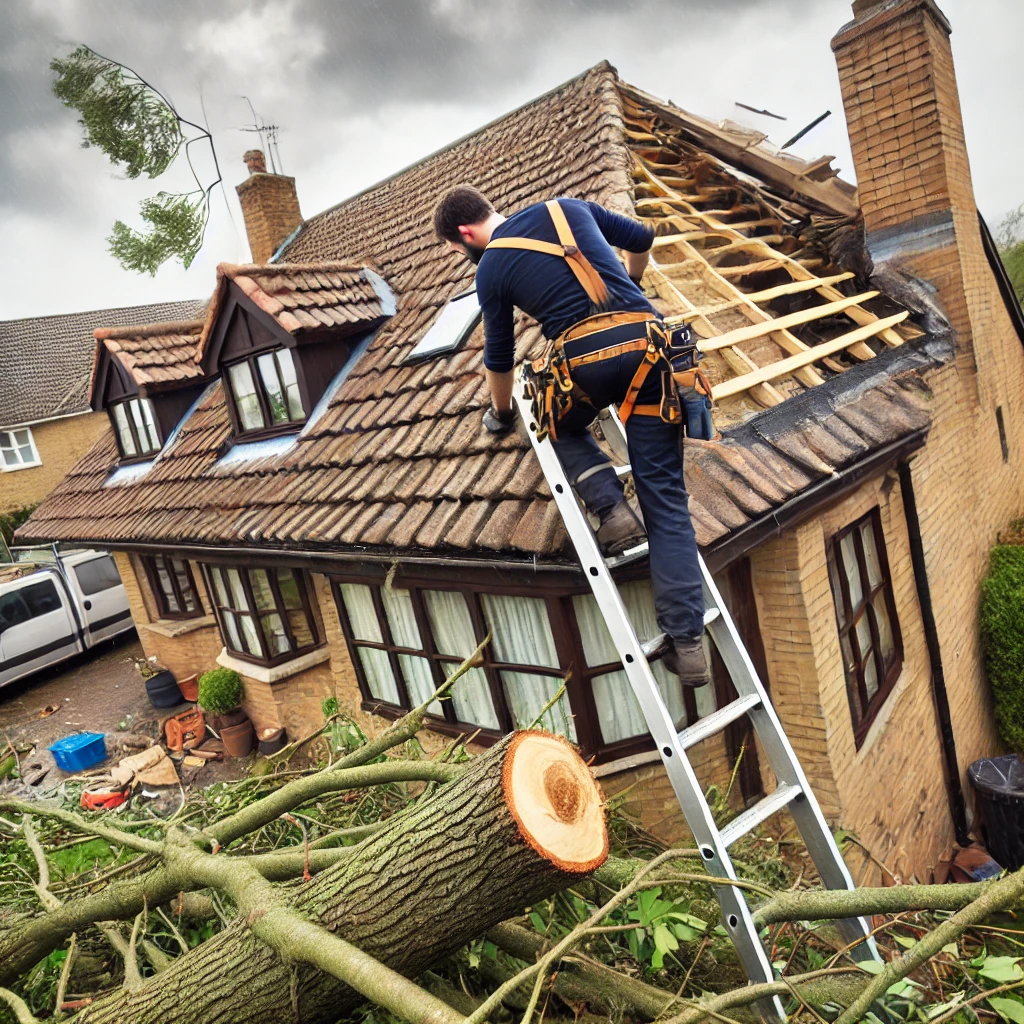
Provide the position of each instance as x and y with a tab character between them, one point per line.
46	362
155	355
399	461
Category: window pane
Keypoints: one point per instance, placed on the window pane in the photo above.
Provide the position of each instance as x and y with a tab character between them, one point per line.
419	682
151	432
402	619
220	587
849	665
135	411
124	431
23	439
250	635
301	629
97	574
852	570
238	598
289	587
272	387
379	678
234	637
286	367
10	457
184	584
863	629
837	591
5	439
276	637
522	633
246	402
454	635
617	708
867	536
527	694
361	615
261	590
170	601
885	640
871	676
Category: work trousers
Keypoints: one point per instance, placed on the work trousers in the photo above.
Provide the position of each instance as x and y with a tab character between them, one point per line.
656	455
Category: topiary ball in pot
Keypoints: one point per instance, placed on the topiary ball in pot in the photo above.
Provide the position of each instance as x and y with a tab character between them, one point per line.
220	691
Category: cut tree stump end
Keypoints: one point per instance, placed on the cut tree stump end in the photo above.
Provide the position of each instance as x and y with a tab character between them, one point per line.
555	801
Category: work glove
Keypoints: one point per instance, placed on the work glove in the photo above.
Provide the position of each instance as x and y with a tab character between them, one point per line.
499	423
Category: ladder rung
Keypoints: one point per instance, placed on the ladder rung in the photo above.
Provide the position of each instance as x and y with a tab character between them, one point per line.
655	646
753	816
627	556
710	615
714	723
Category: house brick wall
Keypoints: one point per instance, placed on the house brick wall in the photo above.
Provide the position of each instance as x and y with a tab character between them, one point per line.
270	206
896	73
60	443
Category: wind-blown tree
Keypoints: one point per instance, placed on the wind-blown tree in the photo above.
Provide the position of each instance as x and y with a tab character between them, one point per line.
142	133
1010	239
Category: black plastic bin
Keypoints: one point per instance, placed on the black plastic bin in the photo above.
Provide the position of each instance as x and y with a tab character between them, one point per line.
999	785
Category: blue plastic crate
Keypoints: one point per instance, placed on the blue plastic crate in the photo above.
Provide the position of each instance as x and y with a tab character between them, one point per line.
78	752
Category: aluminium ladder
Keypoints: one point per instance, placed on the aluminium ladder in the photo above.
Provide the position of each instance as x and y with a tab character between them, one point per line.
792	790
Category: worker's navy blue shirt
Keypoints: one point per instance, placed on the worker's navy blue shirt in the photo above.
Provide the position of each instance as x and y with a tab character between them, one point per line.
544	286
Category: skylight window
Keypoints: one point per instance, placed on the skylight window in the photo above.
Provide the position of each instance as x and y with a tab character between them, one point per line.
453	326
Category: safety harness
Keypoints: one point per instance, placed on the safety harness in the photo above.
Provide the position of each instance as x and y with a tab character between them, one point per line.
548	380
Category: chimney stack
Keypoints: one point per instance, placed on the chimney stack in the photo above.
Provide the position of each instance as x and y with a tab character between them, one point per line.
270	206
906	132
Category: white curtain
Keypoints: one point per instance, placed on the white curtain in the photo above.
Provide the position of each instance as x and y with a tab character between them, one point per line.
618	713
362	617
454	636
522	635
419	681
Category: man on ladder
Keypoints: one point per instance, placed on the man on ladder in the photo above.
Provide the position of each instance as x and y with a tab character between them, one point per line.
607	346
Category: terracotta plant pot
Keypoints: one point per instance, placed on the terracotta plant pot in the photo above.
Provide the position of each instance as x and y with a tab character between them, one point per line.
236	717
189	687
237	739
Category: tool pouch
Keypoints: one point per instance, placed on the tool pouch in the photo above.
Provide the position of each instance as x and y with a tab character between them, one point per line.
549	388
692	385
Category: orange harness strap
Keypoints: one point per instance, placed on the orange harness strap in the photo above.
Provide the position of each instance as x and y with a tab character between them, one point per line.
592	282
650	358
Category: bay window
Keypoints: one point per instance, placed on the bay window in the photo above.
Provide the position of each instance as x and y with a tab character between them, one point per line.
265	615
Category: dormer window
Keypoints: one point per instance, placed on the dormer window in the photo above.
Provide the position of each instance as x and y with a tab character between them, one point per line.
265	391
279	334
137	432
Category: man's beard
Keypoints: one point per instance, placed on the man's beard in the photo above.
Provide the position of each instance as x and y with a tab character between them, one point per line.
473	253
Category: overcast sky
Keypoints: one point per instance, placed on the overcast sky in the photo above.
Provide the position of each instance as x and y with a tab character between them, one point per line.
361	88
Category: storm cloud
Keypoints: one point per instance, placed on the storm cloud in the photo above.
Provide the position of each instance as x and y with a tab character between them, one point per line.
359	89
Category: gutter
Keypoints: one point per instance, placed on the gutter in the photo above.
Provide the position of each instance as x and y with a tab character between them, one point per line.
47	419
954	790
721	554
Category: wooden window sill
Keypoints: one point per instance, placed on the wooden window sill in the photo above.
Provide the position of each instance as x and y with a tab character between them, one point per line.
274	673
178	627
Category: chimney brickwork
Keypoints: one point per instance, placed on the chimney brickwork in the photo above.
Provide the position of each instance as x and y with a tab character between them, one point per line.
270	206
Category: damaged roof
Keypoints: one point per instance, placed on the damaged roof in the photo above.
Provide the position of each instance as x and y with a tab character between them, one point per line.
46	361
398	460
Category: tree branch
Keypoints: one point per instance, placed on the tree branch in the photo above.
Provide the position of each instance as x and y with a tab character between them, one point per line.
65	973
75	821
22	1014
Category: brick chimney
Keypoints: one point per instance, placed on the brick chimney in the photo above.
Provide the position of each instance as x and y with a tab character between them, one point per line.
270	207
906	132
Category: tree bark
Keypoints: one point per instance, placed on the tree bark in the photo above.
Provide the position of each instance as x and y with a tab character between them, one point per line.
520	823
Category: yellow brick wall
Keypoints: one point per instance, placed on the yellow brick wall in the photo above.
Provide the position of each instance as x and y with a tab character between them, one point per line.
965	492
60	443
271	211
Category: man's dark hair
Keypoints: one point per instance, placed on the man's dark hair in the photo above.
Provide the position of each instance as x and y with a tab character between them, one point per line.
460	205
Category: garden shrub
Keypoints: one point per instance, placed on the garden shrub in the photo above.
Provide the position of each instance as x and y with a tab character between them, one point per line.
1002	639
220	691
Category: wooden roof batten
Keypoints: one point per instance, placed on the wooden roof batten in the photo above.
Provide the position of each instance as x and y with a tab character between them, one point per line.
681	189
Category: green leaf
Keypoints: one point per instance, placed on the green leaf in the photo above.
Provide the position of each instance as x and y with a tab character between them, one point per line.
474	960
684	932
664	940
905	941
177	223
538	922
871	966
1008	1009
951	949
1001	969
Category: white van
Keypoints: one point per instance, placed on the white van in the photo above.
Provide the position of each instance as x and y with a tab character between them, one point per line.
49	612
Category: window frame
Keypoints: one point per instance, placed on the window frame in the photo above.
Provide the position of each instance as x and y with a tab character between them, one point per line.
149	564
558	598
14	447
253	612
140	455
251	359
864	710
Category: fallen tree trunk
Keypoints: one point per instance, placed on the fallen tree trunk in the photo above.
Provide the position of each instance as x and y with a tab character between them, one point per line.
520	823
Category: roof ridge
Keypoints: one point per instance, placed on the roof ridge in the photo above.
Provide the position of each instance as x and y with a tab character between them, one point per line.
149	330
603	66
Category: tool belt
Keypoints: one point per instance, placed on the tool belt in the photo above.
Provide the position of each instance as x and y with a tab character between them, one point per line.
552	392
548	380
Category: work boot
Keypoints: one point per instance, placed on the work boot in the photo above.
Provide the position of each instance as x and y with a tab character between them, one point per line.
686	659
620	530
